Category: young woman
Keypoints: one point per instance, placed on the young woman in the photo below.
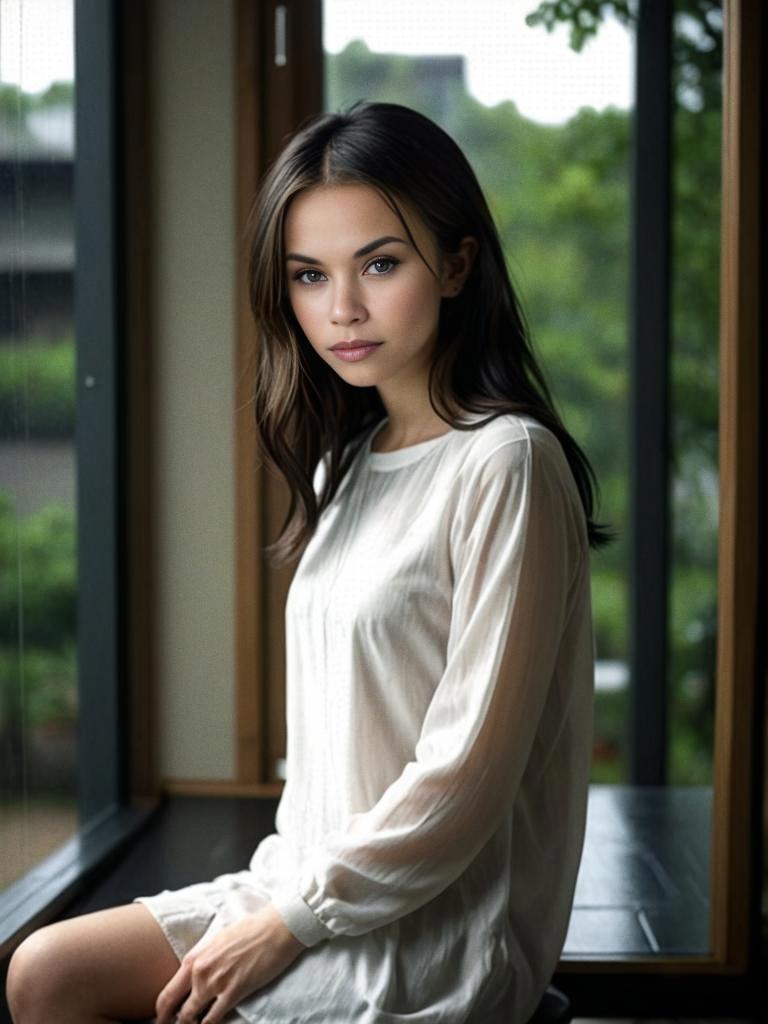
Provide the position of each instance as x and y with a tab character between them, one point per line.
438	629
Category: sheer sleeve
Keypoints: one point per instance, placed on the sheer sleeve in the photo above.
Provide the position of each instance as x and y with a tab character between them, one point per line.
514	548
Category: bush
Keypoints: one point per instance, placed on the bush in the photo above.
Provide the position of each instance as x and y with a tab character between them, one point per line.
38	582
38	617
38	687
37	389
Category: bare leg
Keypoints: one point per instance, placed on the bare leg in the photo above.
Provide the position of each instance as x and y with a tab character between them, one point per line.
106	966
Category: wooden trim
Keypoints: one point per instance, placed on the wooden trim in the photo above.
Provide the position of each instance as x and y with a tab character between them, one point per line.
140	499
221	787
739	482
271	101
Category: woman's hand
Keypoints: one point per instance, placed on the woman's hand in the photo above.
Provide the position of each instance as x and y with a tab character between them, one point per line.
216	975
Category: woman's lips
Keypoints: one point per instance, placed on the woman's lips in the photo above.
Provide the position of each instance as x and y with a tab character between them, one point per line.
356	352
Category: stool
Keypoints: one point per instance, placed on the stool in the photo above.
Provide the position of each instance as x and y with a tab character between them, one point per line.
554	1008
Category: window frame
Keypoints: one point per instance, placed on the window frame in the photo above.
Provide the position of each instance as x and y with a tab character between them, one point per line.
118	789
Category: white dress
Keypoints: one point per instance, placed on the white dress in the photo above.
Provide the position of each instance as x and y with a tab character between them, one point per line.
440	676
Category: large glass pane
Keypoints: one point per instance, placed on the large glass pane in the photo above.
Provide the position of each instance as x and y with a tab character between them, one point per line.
548	131
38	571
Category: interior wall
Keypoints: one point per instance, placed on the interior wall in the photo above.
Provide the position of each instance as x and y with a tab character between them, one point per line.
193	311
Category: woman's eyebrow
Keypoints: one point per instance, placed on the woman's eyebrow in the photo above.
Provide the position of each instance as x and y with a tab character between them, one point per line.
360	252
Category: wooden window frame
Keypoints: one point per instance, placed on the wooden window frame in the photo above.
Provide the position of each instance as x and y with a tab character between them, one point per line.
272	98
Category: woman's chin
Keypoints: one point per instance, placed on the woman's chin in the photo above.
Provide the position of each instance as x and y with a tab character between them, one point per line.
358	377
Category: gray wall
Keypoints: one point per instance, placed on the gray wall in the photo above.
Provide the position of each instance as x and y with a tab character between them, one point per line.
193	320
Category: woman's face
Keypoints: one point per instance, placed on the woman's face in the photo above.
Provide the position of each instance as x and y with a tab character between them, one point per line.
352	274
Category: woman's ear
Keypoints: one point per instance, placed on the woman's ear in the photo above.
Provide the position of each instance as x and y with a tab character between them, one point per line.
457	265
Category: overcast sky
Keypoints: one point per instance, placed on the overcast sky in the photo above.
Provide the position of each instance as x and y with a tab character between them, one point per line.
505	59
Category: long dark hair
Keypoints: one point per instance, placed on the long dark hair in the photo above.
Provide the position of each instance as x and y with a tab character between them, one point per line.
483	361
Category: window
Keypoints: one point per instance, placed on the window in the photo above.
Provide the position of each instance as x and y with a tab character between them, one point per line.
64	717
38	515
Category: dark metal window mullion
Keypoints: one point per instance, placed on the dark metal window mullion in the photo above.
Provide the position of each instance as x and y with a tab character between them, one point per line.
649	387
98	461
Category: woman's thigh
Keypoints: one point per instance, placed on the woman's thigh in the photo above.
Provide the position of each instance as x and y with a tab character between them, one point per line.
106	964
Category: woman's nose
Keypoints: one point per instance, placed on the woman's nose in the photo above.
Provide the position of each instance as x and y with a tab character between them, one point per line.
347	306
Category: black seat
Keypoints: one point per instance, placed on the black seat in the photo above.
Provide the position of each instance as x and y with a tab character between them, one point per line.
554	1008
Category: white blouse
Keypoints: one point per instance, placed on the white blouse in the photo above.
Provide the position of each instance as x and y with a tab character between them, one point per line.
440	674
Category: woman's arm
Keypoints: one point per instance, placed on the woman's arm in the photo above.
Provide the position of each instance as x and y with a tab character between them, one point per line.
515	549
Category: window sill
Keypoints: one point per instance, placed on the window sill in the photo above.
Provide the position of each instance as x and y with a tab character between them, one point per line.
39	894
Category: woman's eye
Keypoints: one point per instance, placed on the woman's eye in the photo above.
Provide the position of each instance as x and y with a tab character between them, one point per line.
384	265
301	273
384	259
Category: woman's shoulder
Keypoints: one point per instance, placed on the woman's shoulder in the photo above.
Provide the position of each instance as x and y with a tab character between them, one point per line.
511	447
512	435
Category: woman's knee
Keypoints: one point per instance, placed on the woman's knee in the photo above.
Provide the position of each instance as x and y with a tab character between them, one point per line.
108	964
35	976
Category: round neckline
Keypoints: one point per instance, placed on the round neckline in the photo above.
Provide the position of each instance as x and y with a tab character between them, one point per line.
400	456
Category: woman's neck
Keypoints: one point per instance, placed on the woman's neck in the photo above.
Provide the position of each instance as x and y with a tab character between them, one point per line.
390	437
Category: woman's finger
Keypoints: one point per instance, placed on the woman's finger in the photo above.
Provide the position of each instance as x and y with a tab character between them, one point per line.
219	1008
201	996
194	1009
174	993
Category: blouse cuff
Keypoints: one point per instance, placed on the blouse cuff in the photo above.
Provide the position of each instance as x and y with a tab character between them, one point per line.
301	920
